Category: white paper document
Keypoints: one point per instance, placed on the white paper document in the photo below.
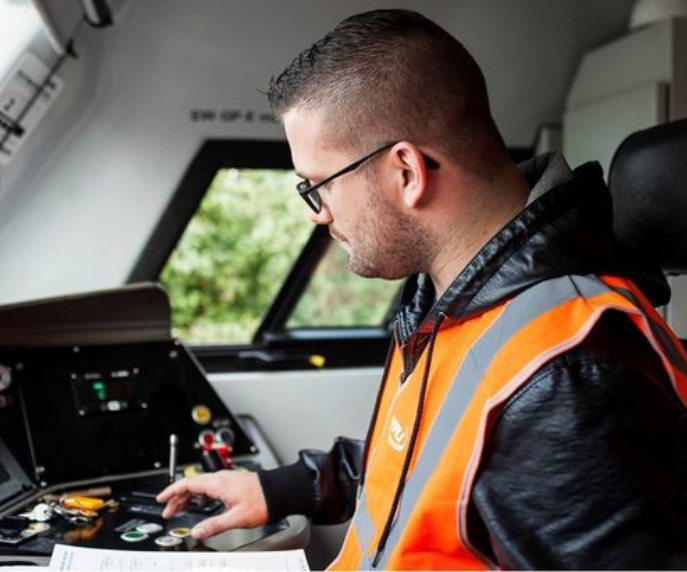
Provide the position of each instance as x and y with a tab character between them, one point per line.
95	560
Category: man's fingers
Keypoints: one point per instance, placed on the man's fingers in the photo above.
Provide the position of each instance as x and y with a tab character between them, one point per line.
171	490
215	525
199	485
184	486
176	496
175	505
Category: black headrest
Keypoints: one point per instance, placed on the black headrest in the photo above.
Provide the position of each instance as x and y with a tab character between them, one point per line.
648	181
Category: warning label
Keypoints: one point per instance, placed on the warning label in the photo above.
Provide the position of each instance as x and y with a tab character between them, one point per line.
25	97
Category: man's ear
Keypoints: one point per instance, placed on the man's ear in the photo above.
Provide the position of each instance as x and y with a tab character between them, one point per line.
412	173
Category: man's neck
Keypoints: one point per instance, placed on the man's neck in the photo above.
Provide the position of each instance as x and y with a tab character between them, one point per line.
463	240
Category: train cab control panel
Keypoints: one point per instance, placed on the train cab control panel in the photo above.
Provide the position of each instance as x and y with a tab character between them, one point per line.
99	410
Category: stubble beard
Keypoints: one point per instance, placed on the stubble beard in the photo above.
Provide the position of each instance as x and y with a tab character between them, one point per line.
390	244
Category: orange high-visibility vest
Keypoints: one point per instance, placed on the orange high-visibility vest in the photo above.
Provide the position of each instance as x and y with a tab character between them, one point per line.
475	367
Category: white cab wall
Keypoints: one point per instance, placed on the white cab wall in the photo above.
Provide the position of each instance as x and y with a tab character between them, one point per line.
305	409
79	203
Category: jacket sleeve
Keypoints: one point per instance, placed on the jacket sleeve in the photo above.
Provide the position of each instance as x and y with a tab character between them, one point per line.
586	466
320	485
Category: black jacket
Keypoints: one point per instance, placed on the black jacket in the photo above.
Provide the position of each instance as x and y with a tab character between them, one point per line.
586	466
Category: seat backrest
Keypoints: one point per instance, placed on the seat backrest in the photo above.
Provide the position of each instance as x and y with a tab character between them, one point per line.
648	181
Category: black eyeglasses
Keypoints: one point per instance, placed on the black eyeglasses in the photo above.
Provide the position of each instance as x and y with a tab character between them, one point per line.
311	193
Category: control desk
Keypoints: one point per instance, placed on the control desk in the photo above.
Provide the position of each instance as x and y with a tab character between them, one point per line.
99	410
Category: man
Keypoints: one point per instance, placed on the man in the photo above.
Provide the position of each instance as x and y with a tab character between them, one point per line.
532	410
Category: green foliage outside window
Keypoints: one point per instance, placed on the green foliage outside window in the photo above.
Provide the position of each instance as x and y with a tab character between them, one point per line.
335	297
234	255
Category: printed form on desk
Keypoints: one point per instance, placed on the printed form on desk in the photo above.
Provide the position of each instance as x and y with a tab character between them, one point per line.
96	560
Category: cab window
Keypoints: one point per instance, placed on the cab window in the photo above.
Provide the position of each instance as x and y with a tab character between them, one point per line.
239	267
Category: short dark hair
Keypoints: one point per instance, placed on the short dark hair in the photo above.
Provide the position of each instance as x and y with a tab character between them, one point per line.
385	75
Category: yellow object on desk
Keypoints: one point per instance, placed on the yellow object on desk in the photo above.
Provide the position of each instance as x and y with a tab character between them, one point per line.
82	503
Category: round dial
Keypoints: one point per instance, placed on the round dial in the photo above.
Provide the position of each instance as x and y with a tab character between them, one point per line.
226	436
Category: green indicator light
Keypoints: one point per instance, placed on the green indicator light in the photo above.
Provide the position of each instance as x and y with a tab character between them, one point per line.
99	389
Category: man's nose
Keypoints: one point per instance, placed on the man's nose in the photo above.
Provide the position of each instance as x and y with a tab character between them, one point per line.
323	217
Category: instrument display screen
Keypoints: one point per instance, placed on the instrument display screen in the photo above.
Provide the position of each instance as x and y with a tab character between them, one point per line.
99	392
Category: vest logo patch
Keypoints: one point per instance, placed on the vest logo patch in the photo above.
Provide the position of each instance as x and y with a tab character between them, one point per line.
397	435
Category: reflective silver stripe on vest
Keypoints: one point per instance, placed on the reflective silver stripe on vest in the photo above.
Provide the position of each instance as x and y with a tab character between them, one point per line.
530	304
364	529
667	343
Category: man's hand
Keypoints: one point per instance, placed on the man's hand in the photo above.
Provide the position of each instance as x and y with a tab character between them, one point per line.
240	491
